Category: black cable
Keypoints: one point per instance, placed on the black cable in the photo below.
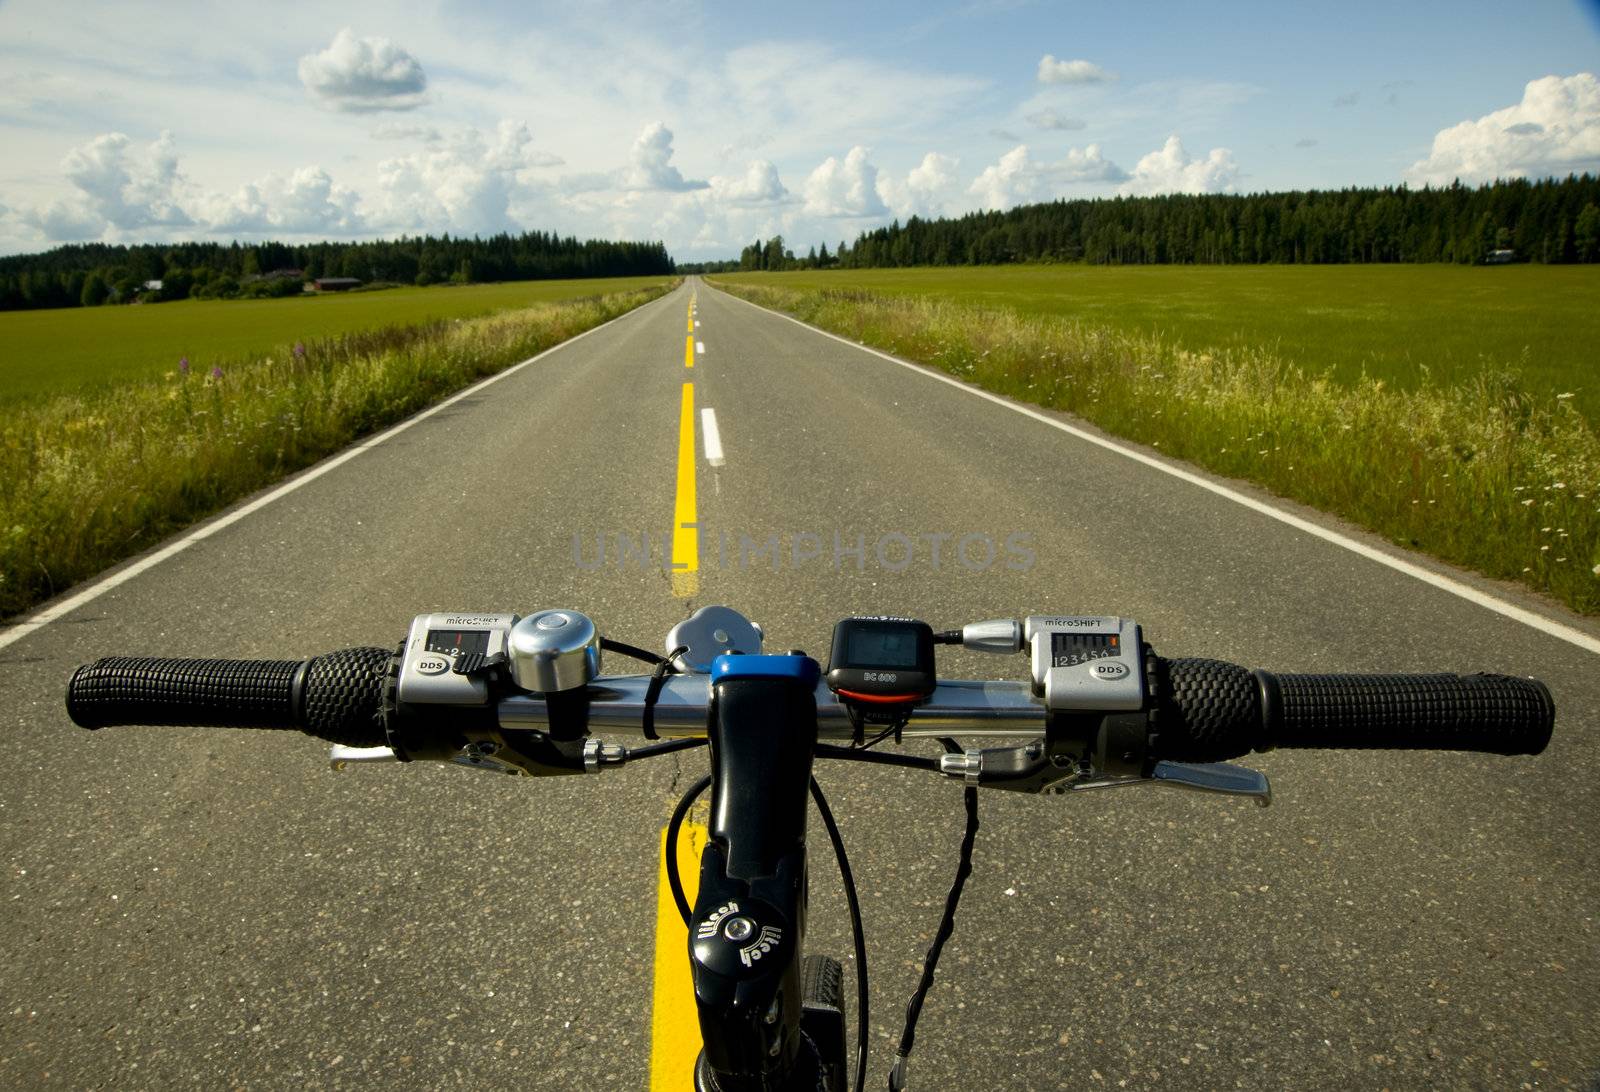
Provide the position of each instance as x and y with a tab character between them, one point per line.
858	932
657	749
652	692
892	730
884	758
947	924
624	649
674	881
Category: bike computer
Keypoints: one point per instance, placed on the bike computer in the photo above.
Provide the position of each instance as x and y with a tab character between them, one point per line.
882	661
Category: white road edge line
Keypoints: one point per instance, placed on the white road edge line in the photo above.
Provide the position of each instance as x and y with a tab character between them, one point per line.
699	346
43	618
1499	606
713	438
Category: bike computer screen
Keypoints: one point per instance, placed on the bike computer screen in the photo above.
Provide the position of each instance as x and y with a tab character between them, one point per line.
881	660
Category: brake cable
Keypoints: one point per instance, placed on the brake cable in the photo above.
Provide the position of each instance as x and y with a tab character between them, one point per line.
858	932
947	924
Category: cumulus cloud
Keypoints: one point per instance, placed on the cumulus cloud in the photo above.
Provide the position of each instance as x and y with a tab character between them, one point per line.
1554	130
1347	100
650	163
1170	169
1018	179
931	188
427	134
468	183
1049	119
118	187
304	202
1306	142
844	188
759	185
1054	71
362	75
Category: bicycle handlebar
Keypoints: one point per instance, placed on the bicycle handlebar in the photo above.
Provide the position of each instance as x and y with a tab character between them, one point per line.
1201	710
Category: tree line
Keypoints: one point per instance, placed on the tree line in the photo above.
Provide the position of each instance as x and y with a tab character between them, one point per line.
1551	221
90	274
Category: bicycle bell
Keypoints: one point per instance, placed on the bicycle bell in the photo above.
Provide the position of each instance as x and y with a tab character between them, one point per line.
554	650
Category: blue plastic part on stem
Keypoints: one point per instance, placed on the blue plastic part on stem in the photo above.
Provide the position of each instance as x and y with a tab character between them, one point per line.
802	669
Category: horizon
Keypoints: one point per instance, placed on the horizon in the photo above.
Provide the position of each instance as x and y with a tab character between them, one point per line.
611	123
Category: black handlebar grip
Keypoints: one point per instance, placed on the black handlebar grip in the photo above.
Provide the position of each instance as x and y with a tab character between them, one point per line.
337	697
1495	714
1209	711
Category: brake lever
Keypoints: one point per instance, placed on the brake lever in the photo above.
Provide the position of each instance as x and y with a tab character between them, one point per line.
1213	777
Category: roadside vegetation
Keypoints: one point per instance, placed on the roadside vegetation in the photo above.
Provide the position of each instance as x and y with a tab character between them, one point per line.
1410	326
49	352
1481	471
93	478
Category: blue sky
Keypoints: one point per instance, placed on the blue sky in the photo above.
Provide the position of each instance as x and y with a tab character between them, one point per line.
708	125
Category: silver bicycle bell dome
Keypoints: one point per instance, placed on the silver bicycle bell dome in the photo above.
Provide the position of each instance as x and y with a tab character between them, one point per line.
554	650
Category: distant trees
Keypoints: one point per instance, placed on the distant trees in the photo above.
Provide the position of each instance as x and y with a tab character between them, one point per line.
93	274
1554	220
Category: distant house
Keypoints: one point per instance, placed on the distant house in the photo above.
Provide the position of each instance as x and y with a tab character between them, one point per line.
285	275
1500	257
151	286
336	284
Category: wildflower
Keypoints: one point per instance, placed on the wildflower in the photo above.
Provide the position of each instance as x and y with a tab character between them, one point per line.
183	365
299	350
1597	570
1527	503
216	371
1564	395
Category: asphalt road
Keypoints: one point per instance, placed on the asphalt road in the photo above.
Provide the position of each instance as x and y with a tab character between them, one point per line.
211	909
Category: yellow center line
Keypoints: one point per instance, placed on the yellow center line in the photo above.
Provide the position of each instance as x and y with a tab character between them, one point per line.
674	1023
688	352
685	533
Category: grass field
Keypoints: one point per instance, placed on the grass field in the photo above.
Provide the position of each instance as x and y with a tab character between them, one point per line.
1409	325
76	350
92	478
1487	469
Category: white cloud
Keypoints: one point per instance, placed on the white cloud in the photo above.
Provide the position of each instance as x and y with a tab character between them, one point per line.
1054	71
427	134
305	202
465	184
759	185
650	163
1171	170
362	75
1018	179
845	188
931	188
118	188
1050	119
1554	130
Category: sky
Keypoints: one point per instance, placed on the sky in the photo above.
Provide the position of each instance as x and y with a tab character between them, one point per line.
709	126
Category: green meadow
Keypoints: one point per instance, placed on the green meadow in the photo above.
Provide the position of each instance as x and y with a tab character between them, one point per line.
1449	410
1410	326
95	475
79	349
